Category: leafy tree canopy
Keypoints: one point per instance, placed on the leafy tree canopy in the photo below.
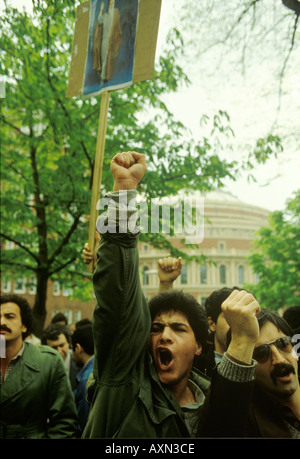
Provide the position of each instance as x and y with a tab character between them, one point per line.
48	144
276	258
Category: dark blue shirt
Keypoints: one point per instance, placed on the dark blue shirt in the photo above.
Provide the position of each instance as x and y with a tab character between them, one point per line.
79	393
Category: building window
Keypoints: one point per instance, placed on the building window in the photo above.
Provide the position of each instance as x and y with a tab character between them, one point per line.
222	271
145	275
69	315
20	285
56	288
67	291
77	316
184	275
6	286
203	274
256	278
222	245
203	299
32	285
241	274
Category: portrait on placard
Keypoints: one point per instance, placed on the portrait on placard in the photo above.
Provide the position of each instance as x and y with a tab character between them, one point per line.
111	45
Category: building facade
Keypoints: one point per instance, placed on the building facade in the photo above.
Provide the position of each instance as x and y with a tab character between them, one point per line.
229	228
59	298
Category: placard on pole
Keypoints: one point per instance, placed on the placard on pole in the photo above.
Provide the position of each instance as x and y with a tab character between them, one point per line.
114	46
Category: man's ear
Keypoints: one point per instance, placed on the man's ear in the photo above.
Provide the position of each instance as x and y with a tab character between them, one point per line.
198	349
212	324
78	348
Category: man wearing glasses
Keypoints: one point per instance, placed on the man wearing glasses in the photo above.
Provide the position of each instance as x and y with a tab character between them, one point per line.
274	406
276	398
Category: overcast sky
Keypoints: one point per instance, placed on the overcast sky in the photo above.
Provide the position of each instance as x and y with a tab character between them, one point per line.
251	102
251	113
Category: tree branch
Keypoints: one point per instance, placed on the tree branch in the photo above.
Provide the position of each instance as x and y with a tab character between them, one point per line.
20	265
90	161
19	244
59	268
65	240
13	126
252	4
285	64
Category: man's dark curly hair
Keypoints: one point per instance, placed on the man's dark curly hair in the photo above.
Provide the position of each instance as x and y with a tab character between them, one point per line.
25	309
214	302
84	336
177	301
52	332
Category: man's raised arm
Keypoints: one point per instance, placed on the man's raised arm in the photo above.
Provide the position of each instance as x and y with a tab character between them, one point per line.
120	301
240	310
226	410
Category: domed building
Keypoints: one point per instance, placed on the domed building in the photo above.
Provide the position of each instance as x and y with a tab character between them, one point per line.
229	227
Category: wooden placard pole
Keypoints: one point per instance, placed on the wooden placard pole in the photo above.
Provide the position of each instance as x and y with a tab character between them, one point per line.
97	177
135	63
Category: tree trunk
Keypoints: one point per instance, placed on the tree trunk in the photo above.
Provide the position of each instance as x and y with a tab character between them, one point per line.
39	308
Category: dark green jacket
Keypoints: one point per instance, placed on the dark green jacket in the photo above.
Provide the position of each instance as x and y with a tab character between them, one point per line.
36	400
127	397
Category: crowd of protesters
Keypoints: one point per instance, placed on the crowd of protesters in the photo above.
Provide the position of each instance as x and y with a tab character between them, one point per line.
167	368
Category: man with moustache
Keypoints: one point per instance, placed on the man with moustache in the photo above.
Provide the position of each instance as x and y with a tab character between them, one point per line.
36	400
274	406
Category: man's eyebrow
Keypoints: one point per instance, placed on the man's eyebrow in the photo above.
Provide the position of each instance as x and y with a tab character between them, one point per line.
10	314
171	324
179	324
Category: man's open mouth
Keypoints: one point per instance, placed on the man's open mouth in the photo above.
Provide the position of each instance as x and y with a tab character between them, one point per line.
165	357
